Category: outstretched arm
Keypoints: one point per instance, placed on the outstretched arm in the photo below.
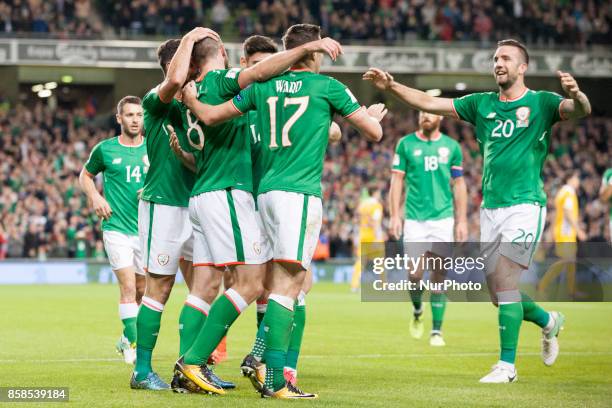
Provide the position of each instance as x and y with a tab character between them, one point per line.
412	97
210	115
179	66
367	121
280	62
578	106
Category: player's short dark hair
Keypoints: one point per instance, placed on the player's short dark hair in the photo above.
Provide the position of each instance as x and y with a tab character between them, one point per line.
259	43
515	43
299	34
205	49
127	99
166	51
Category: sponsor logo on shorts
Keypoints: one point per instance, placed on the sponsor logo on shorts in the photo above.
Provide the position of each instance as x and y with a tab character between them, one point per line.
114	257
163	259
257	248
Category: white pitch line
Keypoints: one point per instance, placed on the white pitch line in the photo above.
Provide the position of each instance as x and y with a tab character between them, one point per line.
343	356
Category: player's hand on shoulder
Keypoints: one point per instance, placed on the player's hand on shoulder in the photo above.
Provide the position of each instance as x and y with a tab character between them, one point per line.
174	142
377	111
327	45
379	78
569	84
200	33
190	93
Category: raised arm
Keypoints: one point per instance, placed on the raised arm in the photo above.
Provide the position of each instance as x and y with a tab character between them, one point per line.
578	106
210	115
412	97
278	63
367	121
179	66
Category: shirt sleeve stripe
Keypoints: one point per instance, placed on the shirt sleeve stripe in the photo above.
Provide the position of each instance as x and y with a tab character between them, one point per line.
454	109
398	171
457	167
353	112
235	107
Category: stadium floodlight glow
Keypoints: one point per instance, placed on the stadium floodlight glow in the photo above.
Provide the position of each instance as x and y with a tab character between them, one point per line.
37	88
461	86
434	92
51	85
67	79
45	93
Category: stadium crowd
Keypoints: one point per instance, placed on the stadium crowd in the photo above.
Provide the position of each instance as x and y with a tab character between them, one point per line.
44	214
546	22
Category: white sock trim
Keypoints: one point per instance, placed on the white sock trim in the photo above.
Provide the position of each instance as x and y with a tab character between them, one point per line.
550	324
198	304
301	299
238	301
152	304
128	310
508	296
284	301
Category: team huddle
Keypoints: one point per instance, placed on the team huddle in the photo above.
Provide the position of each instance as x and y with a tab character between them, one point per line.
226	186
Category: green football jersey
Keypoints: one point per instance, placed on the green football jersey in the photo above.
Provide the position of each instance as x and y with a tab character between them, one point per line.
222	152
607	180
513	137
427	166
294	113
124	169
255	135
168	181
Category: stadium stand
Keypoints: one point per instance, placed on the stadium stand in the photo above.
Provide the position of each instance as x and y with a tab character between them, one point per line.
43	213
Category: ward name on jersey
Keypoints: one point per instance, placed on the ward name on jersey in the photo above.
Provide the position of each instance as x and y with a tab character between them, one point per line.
513	136
124	169
426	165
294	113
168	181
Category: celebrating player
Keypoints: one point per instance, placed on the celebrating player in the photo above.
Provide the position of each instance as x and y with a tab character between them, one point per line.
513	128
222	208
163	220
123	162
429	163
294	113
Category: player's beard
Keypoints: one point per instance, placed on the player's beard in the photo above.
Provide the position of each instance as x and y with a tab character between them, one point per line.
128	132
507	84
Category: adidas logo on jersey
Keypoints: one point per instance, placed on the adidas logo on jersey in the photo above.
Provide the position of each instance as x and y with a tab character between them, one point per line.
117	160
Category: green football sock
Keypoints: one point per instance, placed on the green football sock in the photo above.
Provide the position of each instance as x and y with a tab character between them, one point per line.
532	312
128	313
295	343
193	315
510	319
415	296
148	323
261	311
260	343
438	306
223	312
277	321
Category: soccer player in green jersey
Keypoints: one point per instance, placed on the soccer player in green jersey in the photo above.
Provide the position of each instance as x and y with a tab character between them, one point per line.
605	195
163	219
222	208
255	49
513	128
429	163
294	112
123	162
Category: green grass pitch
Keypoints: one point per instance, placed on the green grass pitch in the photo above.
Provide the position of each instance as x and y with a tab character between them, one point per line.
354	354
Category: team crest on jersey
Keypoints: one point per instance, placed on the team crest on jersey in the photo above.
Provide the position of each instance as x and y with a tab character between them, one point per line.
522	116
417	152
163	259
443	154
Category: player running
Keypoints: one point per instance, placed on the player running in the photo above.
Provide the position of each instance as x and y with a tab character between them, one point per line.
222	208
513	129
429	164
605	195
163	219
294	115
123	162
